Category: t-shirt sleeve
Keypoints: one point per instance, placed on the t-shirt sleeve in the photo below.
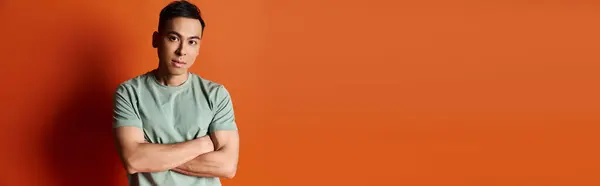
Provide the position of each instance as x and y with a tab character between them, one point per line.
124	113
224	118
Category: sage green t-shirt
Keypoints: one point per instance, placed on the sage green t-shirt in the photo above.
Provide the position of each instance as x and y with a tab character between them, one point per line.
170	114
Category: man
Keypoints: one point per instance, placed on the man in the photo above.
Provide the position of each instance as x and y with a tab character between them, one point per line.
173	127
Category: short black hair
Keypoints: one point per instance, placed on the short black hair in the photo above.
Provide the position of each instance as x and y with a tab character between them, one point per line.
180	9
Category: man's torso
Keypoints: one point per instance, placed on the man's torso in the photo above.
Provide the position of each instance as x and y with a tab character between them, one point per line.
172	115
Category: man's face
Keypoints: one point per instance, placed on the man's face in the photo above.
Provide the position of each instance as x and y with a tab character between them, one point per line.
178	44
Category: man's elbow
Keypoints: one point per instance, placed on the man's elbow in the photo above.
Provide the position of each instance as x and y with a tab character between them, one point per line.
130	164
134	166
229	171
130	168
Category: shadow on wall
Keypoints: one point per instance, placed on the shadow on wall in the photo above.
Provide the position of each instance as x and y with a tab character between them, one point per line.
80	144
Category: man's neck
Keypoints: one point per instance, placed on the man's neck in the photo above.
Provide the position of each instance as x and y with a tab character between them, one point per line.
167	79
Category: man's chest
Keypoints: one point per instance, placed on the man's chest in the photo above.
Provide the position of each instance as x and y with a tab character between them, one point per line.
174	118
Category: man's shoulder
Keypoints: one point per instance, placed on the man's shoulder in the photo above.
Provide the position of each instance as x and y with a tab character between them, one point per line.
133	82
207	84
214	90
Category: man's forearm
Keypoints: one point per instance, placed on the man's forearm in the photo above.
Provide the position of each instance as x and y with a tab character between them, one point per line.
183	171
211	164
148	157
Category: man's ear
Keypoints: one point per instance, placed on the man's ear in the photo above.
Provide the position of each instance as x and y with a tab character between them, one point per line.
155	39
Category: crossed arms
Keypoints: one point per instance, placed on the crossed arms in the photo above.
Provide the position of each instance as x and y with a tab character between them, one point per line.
209	156
215	155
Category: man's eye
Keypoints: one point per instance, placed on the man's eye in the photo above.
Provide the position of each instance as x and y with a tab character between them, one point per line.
193	42
172	38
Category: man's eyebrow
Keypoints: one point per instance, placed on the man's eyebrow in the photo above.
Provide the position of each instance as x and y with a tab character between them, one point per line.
179	35
173	32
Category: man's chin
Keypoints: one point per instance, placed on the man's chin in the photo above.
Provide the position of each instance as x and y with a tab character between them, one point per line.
177	71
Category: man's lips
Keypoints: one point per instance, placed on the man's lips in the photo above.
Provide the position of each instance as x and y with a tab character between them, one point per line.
178	63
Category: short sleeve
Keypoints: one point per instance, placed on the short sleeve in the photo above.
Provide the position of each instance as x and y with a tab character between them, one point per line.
224	118
124	113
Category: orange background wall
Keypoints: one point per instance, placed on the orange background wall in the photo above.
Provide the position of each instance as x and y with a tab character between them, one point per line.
327	92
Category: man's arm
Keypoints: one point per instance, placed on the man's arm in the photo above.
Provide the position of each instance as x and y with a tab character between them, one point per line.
220	163
140	156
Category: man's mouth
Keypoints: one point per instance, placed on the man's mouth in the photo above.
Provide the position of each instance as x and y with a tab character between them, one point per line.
177	63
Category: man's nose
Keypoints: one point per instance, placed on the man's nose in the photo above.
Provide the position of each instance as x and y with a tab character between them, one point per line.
181	50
